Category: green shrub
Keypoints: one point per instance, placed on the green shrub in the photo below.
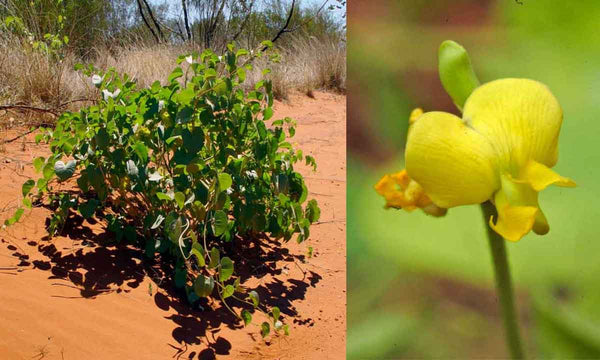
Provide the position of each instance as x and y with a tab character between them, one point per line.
181	169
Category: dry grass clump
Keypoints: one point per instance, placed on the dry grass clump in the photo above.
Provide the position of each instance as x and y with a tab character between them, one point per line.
29	77
144	63
306	65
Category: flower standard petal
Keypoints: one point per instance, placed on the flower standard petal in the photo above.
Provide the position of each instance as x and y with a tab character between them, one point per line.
453	163
520	118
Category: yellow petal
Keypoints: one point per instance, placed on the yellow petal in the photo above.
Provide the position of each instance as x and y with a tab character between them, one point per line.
539	176
513	222
454	164
519	117
518	210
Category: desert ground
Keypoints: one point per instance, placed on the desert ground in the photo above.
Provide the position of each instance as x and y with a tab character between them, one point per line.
70	297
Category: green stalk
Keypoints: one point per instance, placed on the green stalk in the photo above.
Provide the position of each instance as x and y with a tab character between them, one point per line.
503	285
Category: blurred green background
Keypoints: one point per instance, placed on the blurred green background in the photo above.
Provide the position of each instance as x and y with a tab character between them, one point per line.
422	287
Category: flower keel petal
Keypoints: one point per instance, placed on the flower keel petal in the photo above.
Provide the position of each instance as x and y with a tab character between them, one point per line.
513	222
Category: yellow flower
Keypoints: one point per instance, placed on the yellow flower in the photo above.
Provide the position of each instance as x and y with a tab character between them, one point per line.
501	150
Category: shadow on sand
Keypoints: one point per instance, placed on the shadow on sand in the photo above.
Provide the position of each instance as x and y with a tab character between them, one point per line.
97	266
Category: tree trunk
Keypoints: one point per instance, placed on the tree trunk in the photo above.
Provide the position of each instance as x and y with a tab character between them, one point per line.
146	21
186	20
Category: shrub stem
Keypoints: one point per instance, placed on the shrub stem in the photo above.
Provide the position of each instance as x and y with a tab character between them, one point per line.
503	285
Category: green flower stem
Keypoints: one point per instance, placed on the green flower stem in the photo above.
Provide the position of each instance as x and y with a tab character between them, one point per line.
503	285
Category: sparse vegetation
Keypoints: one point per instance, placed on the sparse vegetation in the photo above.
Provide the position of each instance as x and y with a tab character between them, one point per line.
312	47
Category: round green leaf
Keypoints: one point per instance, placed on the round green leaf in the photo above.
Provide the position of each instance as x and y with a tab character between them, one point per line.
203	285
276	312
246	316
226	269
265	329
88	208
220	226
225	181
214	258
228	291
27	186
180	199
64	171
253	295
199	253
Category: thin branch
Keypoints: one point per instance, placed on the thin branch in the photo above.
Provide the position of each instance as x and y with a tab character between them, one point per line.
310	18
287	23
285	29
243	24
18	136
27	107
179	33
146	21
212	27
162	36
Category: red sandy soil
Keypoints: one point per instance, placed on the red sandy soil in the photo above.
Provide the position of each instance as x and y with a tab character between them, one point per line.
69	298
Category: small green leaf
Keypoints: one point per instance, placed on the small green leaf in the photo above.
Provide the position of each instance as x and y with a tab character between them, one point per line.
199	253
215	257
276	312
262	129
253	295
226	269
313	212
241	74
102	139
48	170
27	202
265	329
27	186
173	227
228	291
247	317
268	113
203	285
163	196
15	217
88	208
225	181
177	73
180	199
38	163
220	226
64	171
141	150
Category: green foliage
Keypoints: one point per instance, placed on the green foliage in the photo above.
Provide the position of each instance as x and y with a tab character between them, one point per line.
181	169
45	34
